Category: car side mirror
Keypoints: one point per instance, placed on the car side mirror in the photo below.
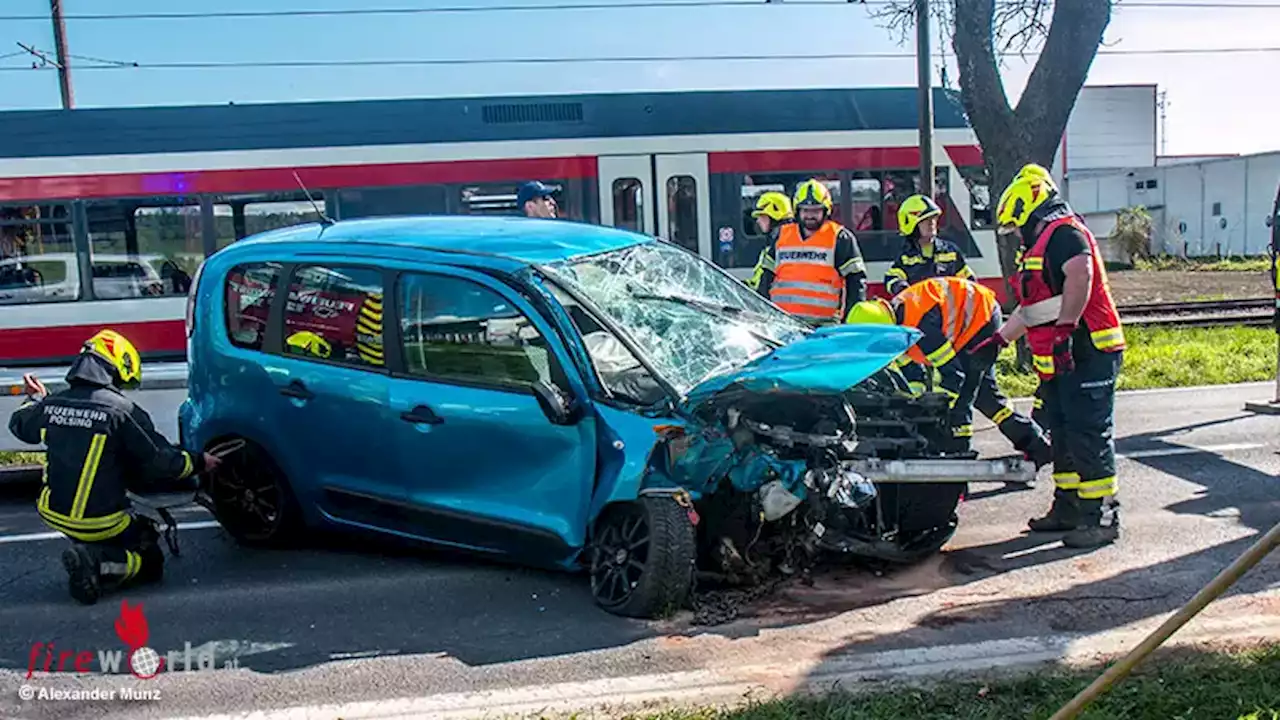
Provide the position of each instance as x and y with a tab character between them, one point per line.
560	407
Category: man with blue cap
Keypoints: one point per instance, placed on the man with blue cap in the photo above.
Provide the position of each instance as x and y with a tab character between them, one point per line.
535	200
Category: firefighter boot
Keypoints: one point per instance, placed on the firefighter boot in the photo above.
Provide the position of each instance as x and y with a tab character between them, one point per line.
81	564
1064	515
1094	530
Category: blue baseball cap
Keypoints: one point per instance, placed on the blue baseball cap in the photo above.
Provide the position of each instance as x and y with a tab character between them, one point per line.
532	190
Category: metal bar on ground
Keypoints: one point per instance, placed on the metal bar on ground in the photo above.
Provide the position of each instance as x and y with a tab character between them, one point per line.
1207	594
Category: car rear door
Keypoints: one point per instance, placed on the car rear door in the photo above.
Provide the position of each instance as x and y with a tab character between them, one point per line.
482	463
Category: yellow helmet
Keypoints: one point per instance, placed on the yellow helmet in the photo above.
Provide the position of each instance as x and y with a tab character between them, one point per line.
1028	191
913	210
1032	170
117	350
871	312
307	342
773	204
811	193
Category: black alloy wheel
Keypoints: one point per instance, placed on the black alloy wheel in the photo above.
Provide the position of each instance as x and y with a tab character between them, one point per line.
251	498
642	558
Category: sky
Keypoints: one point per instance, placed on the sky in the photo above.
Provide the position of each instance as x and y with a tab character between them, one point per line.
1217	103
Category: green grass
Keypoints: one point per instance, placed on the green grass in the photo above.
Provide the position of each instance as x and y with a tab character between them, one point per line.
1227	264
1174	357
10	457
1241	686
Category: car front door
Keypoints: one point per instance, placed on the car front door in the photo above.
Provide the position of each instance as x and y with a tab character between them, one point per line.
486	462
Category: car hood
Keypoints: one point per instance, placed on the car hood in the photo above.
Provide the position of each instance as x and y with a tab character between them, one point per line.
829	360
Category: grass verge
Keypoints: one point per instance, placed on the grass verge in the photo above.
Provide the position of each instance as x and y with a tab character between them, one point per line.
1227	264
11	457
1174	357
1239	686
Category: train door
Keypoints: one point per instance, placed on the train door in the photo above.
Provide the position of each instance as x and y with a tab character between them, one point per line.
664	195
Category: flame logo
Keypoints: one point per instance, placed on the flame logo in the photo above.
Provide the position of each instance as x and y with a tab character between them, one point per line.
131	626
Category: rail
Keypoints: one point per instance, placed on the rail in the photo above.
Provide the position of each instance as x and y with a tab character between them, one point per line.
1213	313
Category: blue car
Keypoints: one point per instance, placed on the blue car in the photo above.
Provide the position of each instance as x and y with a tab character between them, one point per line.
558	395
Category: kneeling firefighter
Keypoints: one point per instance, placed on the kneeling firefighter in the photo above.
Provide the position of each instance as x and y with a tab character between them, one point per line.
99	445
1066	310
953	314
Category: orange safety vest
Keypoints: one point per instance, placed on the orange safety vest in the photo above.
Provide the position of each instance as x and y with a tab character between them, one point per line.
1100	314
806	282
966	308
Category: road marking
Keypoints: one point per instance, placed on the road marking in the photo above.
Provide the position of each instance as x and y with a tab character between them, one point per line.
610	697
38	537
1190	450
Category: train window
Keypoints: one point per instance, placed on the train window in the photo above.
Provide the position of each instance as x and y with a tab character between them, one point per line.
37	257
239	216
628	204
247	302
979	184
144	250
335	315
746	249
682	211
383	201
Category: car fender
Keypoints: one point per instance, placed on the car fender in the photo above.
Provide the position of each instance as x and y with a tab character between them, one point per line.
631	462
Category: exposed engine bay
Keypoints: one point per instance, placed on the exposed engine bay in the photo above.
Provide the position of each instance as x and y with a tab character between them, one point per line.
789	477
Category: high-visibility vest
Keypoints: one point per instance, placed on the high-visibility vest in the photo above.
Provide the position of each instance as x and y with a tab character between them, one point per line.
805	280
1100	314
966	308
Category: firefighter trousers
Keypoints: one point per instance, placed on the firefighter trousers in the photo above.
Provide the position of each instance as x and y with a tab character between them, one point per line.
1080	407
980	391
132	556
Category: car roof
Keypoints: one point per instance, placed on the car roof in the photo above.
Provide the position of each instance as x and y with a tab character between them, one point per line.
523	240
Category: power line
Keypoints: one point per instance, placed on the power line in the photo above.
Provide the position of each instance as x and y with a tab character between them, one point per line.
215	65
623	4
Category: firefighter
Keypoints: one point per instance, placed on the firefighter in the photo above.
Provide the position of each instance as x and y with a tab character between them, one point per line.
817	270
954	313
924	254
100	444
773	210
1077	345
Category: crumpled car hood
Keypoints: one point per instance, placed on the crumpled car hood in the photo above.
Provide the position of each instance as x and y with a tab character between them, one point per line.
830	360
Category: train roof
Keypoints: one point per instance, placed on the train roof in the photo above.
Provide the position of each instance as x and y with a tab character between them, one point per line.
519	239
205	128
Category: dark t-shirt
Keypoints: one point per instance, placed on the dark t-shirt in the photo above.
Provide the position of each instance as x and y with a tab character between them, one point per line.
1066	243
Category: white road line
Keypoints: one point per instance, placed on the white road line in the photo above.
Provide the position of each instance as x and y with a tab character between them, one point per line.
37	537
1190	450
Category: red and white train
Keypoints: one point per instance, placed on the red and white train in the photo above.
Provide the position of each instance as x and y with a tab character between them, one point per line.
105	214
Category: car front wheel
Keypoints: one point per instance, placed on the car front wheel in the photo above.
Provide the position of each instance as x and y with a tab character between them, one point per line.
642	558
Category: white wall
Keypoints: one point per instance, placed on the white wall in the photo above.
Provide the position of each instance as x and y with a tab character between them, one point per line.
1111	127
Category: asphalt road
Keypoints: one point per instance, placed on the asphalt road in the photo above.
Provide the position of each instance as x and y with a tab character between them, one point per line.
349	620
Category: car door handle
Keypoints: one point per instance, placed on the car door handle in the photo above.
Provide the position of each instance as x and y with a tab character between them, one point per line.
420	415
296	389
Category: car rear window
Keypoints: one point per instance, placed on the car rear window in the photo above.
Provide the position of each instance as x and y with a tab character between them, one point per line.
247	299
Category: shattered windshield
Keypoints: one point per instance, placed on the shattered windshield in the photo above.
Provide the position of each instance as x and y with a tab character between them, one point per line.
692	321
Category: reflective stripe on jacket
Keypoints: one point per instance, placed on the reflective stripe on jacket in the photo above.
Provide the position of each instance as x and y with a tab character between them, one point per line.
806	282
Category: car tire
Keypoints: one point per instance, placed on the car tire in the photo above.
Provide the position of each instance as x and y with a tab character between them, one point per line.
251	499
928	518
642	557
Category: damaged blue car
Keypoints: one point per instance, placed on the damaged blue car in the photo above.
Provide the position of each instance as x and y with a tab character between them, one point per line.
559	395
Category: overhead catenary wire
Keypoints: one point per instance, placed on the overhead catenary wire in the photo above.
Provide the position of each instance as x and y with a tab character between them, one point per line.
569	6
387	62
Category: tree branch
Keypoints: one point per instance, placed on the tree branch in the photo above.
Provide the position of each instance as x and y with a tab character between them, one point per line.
981	87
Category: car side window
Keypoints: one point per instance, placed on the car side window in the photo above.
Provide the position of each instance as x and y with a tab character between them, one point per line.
247	302
457	329
334	314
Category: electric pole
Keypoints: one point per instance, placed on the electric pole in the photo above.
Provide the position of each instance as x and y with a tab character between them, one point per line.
64	67
924	77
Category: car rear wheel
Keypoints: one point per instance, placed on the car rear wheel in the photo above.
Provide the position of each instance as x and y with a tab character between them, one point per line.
642	558
251	499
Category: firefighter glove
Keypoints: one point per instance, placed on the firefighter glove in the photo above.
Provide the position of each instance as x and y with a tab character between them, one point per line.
986	352
1063	360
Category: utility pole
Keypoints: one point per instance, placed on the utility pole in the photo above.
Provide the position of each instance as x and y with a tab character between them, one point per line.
924	77
64	67
1162	103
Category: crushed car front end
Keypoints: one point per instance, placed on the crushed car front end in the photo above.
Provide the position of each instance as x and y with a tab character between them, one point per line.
786	442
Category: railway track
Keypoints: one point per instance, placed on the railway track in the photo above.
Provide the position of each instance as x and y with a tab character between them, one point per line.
1248	311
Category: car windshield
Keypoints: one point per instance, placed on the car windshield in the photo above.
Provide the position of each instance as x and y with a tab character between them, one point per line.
692	320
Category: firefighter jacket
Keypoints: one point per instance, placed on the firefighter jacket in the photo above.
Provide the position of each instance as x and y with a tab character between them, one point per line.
99	444
949	311
765	263
817	278
369	330
940	259
1039	300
